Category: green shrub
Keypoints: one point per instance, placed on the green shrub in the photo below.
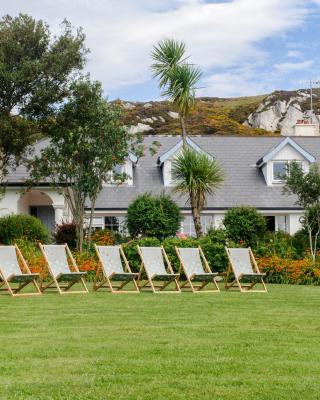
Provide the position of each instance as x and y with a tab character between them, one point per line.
213	246
276	243
245	225
300	241
26	227
66	233
153	216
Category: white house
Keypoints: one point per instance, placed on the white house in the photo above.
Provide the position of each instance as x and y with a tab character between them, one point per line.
254	169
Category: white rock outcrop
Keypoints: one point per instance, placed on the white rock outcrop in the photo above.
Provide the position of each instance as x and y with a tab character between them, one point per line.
279	114
133	129
173	114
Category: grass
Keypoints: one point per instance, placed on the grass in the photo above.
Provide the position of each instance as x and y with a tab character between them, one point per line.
208	346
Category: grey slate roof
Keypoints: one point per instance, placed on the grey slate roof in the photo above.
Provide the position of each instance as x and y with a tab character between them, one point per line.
244	183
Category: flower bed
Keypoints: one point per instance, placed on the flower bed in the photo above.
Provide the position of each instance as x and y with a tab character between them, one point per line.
285	270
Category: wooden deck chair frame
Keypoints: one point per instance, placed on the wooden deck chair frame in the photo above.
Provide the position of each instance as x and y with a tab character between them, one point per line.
54	283
15	292
191	280
236	283
151	284
102	279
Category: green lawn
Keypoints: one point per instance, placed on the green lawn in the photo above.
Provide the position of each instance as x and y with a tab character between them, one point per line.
208	346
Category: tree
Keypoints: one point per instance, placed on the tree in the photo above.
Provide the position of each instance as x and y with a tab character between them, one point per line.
153	216
177	78
87	141
306	186
196	176
35	71
244	224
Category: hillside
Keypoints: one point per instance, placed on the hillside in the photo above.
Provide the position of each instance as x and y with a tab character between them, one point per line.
247	116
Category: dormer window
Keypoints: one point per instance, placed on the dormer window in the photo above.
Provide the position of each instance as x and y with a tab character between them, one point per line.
165	160
281	169
118	175
275	165
122	174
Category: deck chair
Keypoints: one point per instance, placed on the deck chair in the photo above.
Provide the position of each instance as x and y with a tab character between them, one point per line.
11	273
158	275
111	270
245	270
63	278
196	269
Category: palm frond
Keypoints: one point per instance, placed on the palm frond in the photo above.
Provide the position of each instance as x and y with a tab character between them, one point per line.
183	80
167	54
196	175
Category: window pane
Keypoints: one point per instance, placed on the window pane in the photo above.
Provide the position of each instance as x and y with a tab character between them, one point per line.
282	223
111	223
279	170
118	169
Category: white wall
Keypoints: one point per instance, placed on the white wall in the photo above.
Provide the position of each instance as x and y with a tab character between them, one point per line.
9	202
166	171
294	223
305	130
18	201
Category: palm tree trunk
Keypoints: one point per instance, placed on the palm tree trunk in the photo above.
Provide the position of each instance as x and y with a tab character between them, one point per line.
184	131
196	219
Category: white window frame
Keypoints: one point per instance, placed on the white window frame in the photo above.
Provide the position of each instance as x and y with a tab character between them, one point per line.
287	162
124	169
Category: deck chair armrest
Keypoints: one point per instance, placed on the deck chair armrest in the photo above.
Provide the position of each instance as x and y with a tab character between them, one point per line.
22	277
253	275
123	276
70	274
164	276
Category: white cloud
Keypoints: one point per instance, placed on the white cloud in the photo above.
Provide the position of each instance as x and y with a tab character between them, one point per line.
120	34
294	54
287	67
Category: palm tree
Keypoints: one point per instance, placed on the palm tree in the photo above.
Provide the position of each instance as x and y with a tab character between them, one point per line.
196	176
177	78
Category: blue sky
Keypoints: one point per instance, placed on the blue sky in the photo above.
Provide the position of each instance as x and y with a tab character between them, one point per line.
244	47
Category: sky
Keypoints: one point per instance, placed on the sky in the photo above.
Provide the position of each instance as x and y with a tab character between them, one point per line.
243	47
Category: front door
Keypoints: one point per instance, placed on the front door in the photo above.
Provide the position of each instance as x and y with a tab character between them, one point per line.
45	214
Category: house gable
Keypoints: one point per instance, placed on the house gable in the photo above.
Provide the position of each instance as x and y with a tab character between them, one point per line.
276	162
165	160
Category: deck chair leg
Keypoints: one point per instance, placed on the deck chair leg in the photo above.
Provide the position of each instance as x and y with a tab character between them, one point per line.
177	285
20	287
43	288
152	286
136	285
97	285
84	284
35	284
227	277
139	277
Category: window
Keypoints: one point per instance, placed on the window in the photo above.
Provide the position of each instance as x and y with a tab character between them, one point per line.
121	174
277	223
112	223
282	223
271	223
281	169
187	225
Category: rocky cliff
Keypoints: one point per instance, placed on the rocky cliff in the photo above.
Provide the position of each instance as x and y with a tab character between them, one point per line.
257	115
279	111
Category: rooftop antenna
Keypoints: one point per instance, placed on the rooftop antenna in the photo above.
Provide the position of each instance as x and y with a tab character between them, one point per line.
312	84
